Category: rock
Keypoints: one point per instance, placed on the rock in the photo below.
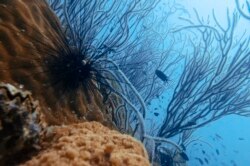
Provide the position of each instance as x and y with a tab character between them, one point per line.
21	121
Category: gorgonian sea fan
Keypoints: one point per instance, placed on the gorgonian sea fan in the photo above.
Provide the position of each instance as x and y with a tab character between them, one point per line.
95	34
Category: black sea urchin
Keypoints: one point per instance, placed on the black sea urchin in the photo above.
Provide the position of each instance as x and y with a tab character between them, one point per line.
69	57
69	69
69	64
61	68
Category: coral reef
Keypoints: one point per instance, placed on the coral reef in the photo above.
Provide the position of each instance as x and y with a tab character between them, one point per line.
21	121
89	143
23	127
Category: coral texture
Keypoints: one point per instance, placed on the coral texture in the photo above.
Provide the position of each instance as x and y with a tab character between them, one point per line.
21	121
89	144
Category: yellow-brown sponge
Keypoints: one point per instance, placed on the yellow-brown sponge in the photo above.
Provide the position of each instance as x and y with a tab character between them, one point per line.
87	144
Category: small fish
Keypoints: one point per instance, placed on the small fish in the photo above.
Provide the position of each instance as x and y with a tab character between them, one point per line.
184	156
217	152
203	152
218	136
223	146
236	151
161	75
233	162
156	109
200	160
223	164
144	73
183	147
156	113
206	160
241	139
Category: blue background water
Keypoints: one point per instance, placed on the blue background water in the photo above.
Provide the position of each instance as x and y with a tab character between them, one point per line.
231	134
232	150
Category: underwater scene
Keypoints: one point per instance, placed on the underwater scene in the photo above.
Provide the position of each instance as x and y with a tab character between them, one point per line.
125	82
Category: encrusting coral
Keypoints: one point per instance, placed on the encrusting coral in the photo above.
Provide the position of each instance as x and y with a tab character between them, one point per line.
89	143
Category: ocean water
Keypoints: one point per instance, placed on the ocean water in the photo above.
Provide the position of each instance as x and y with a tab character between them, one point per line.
176	71
183	68
223	142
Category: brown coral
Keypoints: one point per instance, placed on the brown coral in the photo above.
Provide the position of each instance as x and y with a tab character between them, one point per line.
87	144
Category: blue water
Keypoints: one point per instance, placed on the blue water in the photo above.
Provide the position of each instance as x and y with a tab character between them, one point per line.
230	135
